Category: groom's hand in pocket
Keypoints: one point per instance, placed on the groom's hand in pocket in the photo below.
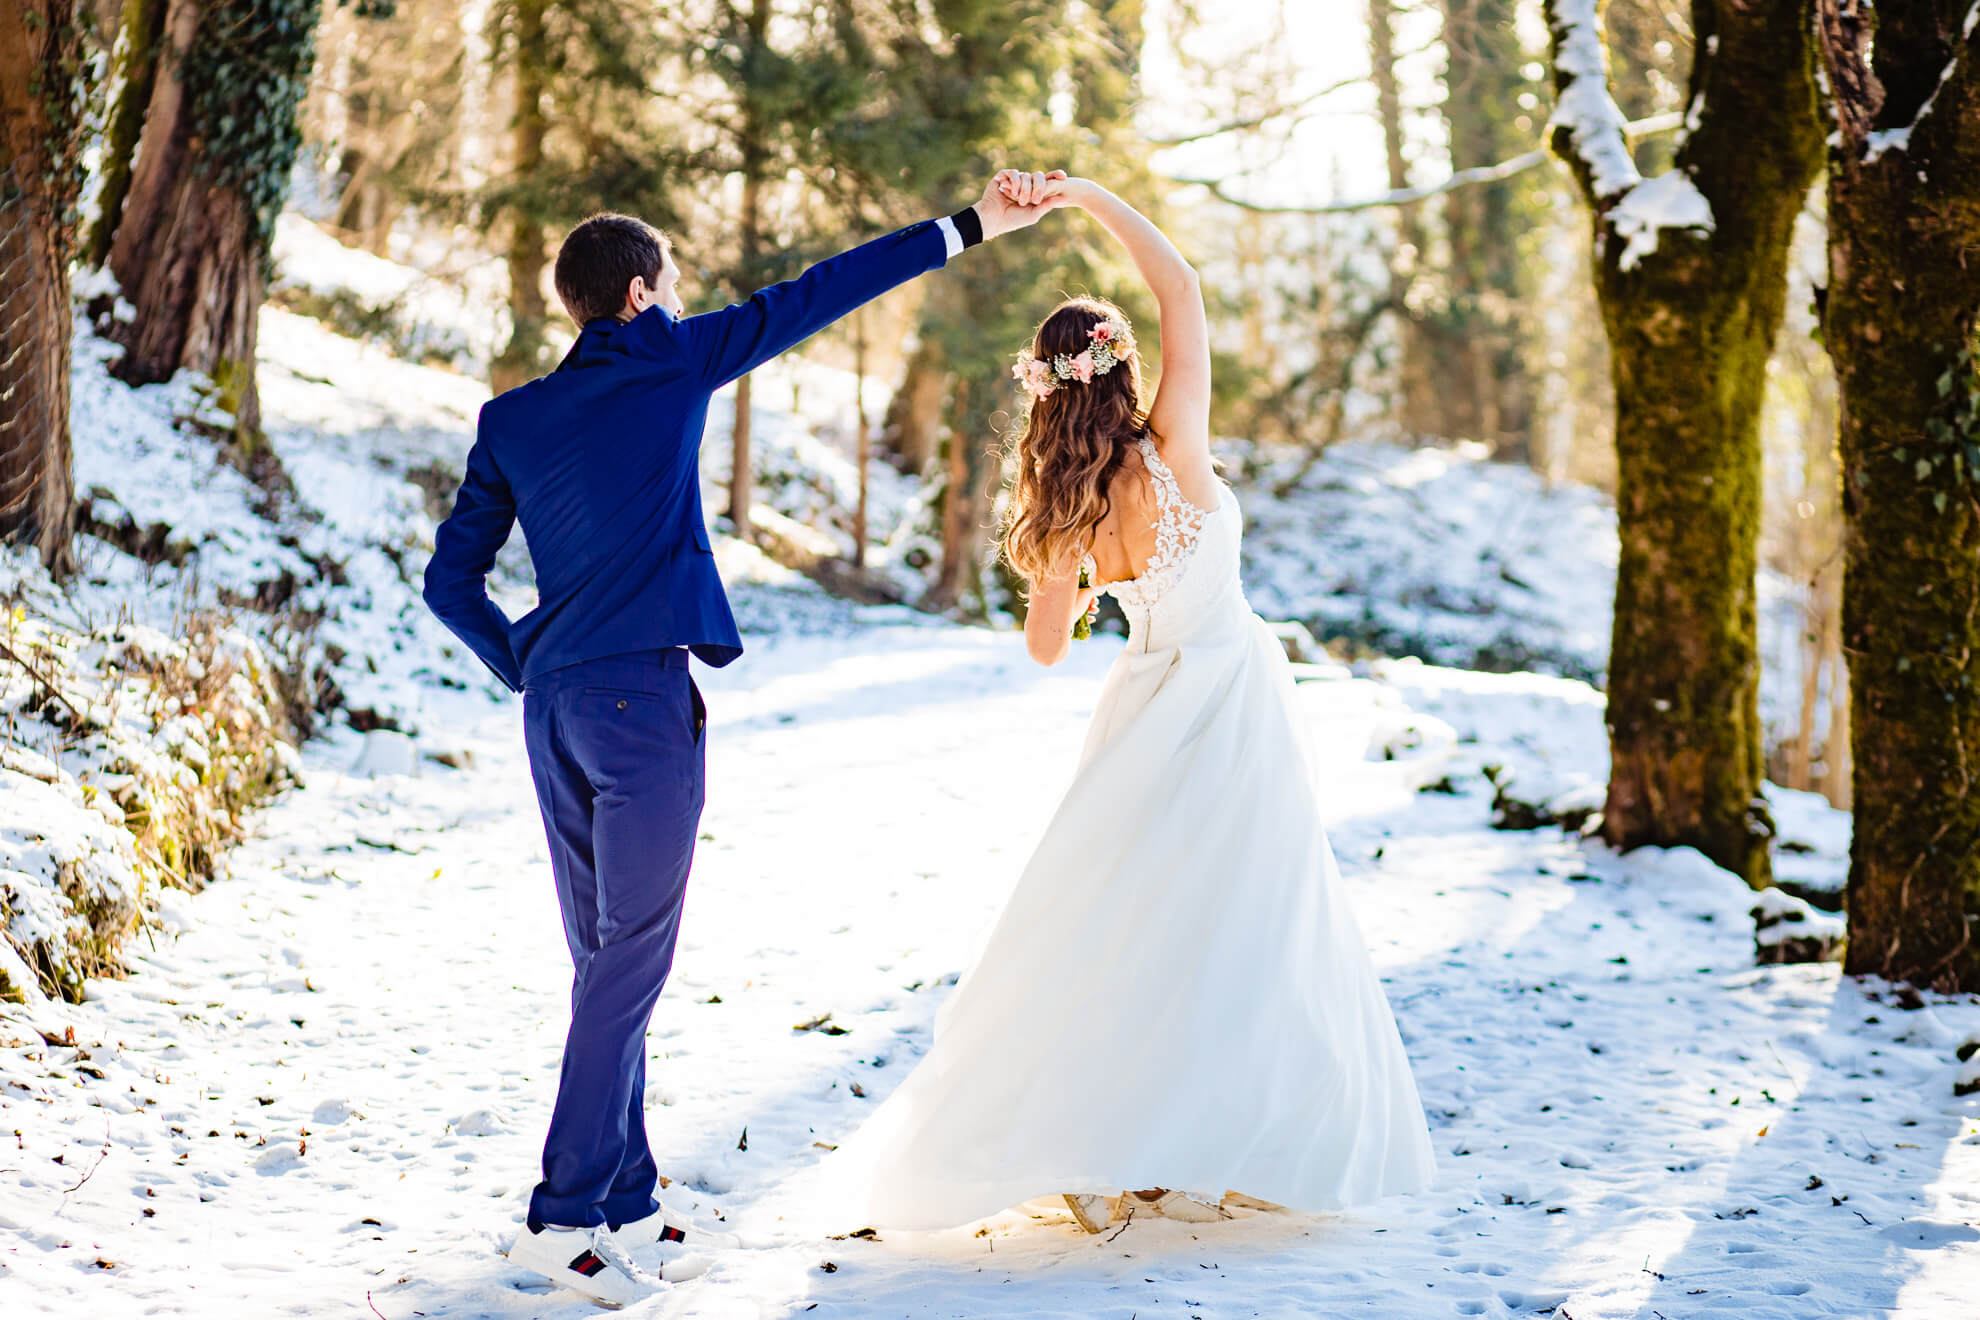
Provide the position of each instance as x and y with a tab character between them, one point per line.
1015	199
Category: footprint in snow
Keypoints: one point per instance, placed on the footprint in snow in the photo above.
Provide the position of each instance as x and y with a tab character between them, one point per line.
279	1158
480	1123
332	1112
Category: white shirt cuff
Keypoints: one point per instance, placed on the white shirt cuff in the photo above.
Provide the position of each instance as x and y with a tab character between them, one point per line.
950	237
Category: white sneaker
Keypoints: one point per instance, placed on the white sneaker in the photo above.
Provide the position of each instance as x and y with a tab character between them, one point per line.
1094	1213
663	1226
584	1260
1175	1205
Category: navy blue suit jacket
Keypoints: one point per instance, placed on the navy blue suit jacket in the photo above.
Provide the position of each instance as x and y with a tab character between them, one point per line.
599	463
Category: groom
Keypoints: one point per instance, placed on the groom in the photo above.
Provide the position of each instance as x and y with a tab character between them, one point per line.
598	462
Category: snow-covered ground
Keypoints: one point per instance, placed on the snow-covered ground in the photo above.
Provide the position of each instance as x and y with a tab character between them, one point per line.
323	1087
329	1082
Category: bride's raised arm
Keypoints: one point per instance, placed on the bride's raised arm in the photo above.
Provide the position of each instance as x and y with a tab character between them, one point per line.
1181	412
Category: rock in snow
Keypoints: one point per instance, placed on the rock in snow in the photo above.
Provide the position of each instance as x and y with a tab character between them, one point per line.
1787	929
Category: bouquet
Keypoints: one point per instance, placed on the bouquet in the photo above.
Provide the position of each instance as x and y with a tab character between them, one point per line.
1083	625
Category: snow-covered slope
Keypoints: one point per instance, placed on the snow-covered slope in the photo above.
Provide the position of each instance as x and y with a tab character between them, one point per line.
1436	553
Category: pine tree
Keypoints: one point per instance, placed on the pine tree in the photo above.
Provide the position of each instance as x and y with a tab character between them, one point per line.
1900	323
776	77
1691	277
586	133
948	106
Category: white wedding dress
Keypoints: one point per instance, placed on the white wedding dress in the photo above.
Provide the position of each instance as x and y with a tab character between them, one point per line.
1177	994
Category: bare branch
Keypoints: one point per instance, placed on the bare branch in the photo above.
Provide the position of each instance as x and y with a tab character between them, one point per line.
1505	169
1296	110
1261	118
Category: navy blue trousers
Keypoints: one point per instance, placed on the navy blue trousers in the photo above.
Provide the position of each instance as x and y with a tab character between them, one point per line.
615	748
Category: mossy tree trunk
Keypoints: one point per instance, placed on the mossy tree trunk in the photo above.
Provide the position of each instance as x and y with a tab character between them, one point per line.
1903	297
43	86
134	75
1691	313
191	245
523	358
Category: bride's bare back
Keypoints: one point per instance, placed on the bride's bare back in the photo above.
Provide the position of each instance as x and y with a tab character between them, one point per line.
1125	540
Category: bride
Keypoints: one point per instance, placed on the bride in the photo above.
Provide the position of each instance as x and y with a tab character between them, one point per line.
1176	1001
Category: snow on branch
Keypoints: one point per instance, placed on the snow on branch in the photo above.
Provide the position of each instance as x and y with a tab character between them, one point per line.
1584	111
1668	201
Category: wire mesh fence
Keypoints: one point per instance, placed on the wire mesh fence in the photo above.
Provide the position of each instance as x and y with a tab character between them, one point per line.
34	357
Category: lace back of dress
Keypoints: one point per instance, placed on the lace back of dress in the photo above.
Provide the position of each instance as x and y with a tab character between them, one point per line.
1178	526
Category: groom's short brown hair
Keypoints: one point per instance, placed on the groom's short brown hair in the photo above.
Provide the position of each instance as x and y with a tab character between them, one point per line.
599	259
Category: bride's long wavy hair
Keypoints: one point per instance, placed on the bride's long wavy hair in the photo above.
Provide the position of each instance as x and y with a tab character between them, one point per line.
1070	444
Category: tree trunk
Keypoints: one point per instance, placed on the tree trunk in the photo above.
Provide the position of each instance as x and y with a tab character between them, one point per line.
862	437
41	136
1904	293
191	244
1420	410
741	464
961	537
135	77
522	359
1691	323
1838	771
756	26
1485	388
365	207
913	425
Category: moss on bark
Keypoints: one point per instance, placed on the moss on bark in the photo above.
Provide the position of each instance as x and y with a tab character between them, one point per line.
1904	295
135	71
1690	326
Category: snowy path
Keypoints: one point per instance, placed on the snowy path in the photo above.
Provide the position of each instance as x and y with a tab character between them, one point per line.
331	1085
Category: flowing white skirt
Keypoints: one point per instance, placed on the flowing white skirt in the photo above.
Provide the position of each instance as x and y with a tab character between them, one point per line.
1176	995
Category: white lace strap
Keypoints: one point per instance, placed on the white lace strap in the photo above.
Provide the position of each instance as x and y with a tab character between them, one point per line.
1168	494
1177	523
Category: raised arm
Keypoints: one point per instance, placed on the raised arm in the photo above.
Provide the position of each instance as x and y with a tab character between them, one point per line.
456	588
743	336
1181	413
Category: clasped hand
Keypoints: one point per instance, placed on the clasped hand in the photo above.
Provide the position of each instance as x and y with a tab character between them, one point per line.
1016	198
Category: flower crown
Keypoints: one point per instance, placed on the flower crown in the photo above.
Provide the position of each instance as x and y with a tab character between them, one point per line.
1112	342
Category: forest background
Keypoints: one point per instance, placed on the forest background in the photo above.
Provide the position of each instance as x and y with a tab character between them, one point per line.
1605	243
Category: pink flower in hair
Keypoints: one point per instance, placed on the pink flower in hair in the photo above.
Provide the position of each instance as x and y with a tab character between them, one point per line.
1083	366
1102	333
1034	376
